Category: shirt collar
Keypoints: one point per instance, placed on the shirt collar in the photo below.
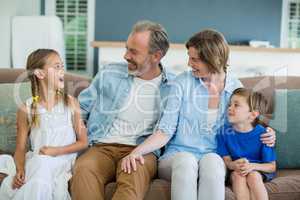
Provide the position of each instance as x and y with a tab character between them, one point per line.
229	83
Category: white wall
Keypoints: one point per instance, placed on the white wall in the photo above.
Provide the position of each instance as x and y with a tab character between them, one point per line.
8	9
242	63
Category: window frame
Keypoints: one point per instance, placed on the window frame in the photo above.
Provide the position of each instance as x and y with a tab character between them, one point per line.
50	9
284	36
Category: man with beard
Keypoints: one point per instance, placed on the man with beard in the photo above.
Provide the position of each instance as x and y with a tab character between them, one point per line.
121	108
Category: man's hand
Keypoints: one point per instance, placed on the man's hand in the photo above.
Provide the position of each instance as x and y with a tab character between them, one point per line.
269	137
129	162
19	179
49	151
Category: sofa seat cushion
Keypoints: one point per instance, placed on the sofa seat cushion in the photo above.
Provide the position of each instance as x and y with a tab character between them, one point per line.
286	186
158	190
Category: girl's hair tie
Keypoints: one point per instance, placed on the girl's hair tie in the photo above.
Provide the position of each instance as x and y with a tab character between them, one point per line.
35	98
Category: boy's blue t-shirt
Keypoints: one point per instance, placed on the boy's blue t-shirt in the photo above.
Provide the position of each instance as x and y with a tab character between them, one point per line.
244	145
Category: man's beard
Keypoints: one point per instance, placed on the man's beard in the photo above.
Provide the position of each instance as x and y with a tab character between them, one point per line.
134	72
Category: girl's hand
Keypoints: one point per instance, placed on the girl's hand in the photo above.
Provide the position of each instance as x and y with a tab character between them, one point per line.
19	179
49	151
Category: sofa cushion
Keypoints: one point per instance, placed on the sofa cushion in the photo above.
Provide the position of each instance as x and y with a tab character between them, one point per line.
287	126
286	186
11	96
158	189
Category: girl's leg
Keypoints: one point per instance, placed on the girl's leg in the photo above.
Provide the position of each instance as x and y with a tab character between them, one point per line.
256	186
212	171
182	170
239	186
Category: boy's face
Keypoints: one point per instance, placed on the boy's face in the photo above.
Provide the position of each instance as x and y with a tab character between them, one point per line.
239	111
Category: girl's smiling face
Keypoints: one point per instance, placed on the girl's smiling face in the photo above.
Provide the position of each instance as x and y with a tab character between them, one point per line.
54	72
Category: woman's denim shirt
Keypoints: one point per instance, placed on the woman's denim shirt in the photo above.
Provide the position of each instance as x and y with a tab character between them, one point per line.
185	116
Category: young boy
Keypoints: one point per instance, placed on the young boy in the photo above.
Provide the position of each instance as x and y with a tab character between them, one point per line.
250	161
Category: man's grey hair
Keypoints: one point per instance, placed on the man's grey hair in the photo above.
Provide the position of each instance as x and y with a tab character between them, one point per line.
158	35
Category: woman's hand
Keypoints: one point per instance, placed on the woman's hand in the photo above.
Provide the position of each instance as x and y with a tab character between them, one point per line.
269	138
49	151
19	179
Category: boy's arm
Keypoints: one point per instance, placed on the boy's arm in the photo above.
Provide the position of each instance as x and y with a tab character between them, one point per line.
234	165
268	164
265	167
228	162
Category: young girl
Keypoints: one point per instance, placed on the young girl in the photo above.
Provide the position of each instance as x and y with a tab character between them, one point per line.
51	120
250	161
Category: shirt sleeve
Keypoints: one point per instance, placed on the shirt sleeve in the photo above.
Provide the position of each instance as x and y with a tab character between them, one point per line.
170	116
268	154
88	96
221	144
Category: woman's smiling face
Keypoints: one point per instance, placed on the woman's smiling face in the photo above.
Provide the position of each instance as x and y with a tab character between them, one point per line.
199	68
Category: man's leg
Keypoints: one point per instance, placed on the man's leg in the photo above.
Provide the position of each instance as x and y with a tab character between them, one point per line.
135	185
92	171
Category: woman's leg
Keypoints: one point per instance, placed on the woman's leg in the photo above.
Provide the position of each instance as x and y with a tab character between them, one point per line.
256	185
212	171
239	186
182	170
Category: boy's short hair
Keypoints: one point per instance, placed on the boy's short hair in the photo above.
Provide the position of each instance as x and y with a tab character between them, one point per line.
255	100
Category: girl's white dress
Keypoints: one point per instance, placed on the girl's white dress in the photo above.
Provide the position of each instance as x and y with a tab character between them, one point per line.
46	177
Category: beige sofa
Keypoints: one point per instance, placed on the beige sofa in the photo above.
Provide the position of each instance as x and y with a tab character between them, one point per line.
285	186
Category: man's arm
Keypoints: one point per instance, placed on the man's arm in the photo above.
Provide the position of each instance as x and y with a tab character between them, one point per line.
167	126
88	97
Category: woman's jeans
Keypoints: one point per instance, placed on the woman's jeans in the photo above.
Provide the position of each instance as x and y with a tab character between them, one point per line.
184	170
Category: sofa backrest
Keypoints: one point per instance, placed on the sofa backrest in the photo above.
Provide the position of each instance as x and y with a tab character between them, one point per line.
74	83
268	84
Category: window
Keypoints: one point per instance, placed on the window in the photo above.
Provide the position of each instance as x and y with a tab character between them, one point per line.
77	18
291	24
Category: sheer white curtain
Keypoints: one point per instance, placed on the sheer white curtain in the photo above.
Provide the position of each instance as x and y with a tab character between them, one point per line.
32	32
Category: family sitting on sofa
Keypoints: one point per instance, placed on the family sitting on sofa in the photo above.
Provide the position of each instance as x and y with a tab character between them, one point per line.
203	118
